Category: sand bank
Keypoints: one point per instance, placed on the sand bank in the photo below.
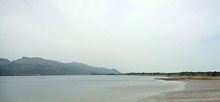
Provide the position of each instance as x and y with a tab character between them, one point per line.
190	78
194	91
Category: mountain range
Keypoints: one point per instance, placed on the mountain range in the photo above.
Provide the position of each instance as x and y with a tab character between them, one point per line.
40	66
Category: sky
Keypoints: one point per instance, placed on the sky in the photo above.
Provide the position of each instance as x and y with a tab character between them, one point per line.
128	35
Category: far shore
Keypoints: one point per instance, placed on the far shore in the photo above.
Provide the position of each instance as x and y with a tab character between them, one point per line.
175	78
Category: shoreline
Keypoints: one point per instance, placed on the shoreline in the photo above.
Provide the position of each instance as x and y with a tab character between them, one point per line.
196	89
182	78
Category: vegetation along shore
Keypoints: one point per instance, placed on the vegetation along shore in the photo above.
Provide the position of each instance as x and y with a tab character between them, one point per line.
212	75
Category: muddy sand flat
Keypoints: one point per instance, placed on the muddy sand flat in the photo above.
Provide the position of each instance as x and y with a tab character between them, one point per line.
194	91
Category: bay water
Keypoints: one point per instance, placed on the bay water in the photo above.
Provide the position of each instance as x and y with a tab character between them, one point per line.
82	88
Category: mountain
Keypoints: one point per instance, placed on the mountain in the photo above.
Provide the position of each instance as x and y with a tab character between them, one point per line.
4	61
40	66
36	60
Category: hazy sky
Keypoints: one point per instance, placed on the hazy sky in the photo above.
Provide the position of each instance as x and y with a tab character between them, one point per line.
129	35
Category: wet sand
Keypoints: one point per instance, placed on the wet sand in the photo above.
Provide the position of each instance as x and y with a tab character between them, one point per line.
194	91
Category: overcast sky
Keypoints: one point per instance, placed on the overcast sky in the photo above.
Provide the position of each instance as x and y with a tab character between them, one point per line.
129	35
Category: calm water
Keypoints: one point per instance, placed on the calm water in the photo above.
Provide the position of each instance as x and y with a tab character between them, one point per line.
81	88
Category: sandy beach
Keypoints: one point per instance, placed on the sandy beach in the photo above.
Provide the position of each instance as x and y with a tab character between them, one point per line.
194	91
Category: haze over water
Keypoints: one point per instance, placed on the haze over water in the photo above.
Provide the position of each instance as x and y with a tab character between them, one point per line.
128	35
82	88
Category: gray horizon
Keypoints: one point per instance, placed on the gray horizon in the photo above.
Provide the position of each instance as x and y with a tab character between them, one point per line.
127	35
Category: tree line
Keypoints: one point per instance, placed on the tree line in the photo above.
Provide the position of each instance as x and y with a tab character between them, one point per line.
210	73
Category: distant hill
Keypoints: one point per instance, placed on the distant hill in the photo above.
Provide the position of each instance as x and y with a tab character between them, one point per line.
4	61
40	66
